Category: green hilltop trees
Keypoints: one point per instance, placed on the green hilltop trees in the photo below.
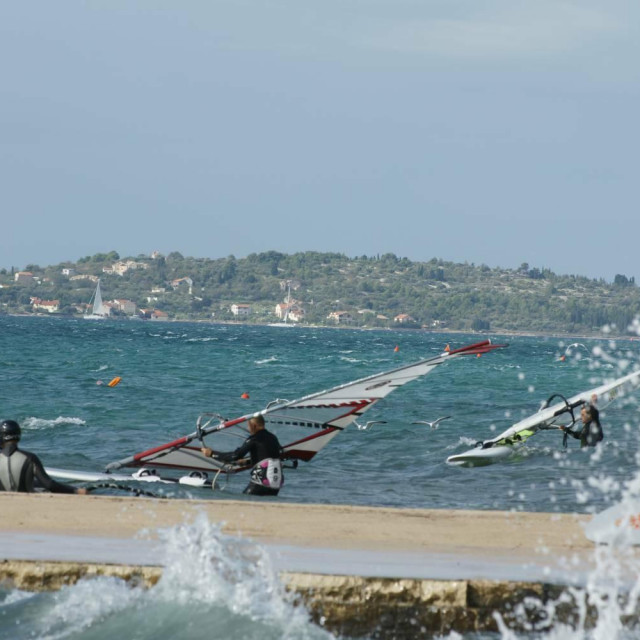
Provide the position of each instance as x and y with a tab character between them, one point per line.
435	294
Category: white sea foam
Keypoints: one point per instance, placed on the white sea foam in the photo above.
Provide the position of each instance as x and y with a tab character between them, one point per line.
607	605
205	566
85	605
43	423
16	596
267	360
213	586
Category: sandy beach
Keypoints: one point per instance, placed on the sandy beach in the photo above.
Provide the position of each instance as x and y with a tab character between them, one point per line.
336	526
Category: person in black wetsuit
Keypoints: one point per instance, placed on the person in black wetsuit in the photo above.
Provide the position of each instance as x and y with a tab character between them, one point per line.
22	471
265	452
591	432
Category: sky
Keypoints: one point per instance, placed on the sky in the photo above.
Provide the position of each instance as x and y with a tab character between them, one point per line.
492	132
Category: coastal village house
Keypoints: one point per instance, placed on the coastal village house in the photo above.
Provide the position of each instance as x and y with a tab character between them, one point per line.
281	309
126	306
107	309
120	268
84	276
69	271
340	317
50	306
296	314
154	314
159	316
292	311
404	318
24	277
182	282
240	310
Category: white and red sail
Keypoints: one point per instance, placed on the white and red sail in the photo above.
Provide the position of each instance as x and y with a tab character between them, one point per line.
303	426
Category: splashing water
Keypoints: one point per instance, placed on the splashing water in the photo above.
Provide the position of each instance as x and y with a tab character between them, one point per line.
213	586
607	606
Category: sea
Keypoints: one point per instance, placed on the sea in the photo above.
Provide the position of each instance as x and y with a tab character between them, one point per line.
53	381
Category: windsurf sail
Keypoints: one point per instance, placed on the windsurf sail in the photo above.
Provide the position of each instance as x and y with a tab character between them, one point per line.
549	416
303	426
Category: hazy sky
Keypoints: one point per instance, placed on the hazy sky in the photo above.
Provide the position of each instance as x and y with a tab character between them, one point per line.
487	131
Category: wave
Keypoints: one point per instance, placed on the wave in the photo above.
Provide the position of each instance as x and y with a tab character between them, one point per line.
213	585
42	423
267	360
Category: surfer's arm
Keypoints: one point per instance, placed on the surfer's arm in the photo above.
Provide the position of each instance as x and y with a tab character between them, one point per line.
570	431
229	456
48	483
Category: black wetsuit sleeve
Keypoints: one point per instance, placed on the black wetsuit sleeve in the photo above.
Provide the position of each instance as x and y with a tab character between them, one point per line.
574	434
240	452
45	481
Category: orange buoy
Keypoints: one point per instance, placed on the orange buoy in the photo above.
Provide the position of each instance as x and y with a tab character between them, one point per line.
397	348
562	358
447	349
115	381
245	396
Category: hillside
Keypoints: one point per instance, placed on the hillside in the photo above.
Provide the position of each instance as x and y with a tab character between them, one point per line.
372	291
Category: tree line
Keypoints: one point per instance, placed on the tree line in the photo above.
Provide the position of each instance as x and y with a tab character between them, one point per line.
374	290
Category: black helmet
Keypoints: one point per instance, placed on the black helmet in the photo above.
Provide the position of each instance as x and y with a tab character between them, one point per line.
9	430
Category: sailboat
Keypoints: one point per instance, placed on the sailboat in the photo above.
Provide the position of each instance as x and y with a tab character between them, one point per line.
285	322
99	311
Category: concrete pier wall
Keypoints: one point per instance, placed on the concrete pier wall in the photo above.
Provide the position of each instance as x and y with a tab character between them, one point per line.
351	606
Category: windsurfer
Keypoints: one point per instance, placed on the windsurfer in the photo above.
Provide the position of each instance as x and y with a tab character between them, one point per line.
265	452
22	471
591	432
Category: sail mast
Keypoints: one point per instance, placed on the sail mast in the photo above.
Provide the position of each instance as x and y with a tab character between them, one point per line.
97	302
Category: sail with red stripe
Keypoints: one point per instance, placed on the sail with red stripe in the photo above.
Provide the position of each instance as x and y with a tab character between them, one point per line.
303	426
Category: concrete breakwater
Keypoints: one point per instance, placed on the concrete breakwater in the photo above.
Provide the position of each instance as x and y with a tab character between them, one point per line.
354	606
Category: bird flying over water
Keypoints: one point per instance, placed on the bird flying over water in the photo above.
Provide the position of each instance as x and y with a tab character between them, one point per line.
368	425
434	424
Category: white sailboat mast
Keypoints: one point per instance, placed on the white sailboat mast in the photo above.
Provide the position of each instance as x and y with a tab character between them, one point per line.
286	313
97	302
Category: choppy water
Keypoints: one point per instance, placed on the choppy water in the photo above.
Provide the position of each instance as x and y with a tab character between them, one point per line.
172	372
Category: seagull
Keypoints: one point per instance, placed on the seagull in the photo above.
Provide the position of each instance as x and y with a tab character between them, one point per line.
364	427
434	424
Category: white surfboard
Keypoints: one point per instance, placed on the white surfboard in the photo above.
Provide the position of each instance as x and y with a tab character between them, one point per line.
490	451
143	475
481	457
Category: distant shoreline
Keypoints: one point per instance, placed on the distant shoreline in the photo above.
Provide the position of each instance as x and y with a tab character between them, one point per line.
504	332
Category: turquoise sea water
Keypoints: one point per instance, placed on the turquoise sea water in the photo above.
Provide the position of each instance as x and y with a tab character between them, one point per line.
172	372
